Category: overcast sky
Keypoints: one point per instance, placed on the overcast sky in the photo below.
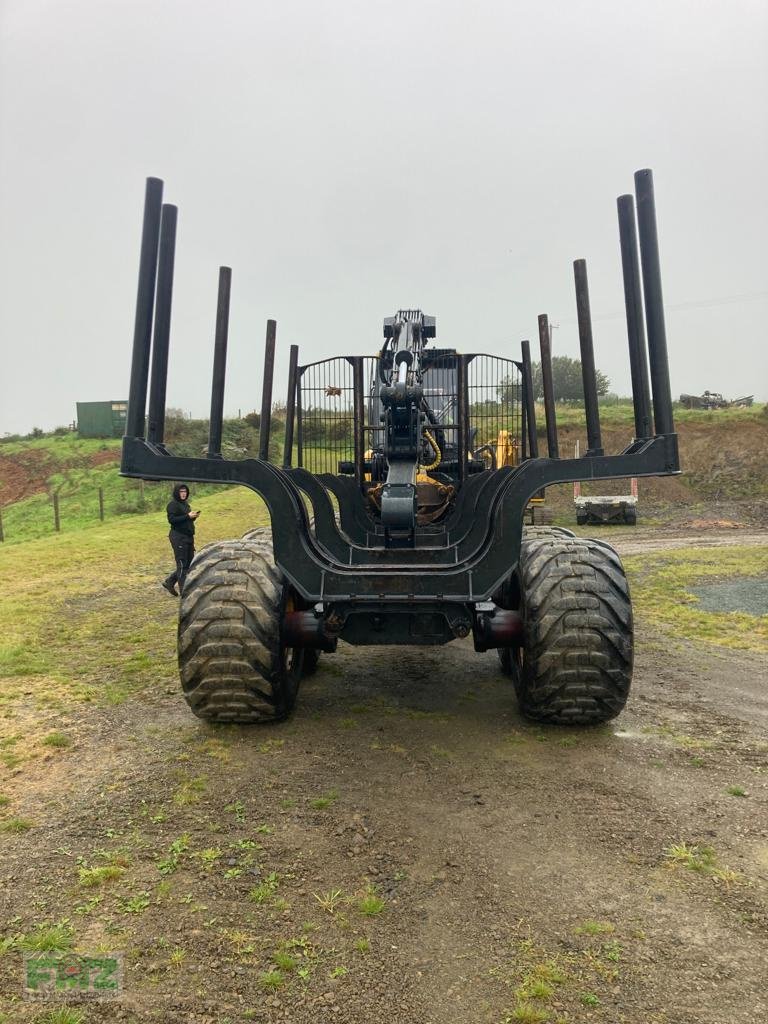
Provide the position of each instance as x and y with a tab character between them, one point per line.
349	159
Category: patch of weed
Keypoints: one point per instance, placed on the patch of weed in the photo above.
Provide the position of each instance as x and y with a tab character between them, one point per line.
89	878
701	859
370	904
57	739
15	825
594	928
526	1013
62	1015
47	938
284	961
271	980
265	889
134	904
321	803
191	790
331	900
167	865
238	809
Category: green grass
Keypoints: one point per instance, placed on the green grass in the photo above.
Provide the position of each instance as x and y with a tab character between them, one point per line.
57	739
621	414
370	904
322	803
271	980
661	594
48	938
330	901
89	878
61	448
61	1015
736	791
699	858
264	890
16	825
66	463
594	928
82	615
527	1013
284	961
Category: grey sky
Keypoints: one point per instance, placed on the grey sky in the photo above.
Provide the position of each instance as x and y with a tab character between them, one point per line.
347	159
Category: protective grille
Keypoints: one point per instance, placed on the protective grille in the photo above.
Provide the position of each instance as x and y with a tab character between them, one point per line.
325	406
495	402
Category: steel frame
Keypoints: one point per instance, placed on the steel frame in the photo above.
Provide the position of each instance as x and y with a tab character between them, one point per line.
451	568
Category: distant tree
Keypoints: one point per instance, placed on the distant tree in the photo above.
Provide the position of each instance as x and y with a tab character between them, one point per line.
340	429
567	382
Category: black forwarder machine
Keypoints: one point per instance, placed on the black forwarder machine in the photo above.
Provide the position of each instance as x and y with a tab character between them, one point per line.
397	512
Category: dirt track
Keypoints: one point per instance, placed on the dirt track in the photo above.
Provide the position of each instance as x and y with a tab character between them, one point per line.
506	854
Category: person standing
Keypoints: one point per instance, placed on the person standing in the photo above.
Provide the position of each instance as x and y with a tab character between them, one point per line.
182	537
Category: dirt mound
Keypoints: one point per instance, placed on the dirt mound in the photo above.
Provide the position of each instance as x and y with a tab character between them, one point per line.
712	524
724	466
25	473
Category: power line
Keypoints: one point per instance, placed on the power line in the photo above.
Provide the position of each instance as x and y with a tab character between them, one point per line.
725	300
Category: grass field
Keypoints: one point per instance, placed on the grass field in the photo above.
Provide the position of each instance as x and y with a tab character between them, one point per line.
661	593
60	638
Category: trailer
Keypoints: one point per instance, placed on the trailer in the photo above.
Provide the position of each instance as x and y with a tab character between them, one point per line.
605	509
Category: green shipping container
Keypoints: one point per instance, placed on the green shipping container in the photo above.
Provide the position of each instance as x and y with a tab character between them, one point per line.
101	419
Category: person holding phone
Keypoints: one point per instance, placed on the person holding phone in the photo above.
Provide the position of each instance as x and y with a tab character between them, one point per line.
182	537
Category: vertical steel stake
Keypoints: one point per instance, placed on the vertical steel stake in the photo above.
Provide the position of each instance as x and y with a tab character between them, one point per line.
588	374
266	394
633	302
219	363
654	303
545	344
163	299
142	331
528	397
290	406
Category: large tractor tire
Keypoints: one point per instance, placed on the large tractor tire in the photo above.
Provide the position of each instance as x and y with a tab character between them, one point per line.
234	666
529	532
575	666
542	515
262	536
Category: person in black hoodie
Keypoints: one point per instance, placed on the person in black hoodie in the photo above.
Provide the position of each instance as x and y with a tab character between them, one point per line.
181	536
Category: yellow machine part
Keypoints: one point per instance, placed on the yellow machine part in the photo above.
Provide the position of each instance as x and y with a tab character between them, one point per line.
507	450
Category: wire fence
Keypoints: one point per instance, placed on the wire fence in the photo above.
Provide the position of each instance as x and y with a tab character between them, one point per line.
55	512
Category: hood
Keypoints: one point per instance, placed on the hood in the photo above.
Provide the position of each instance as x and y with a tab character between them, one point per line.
176	490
